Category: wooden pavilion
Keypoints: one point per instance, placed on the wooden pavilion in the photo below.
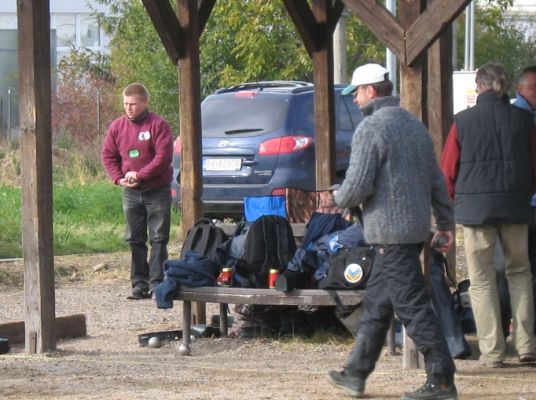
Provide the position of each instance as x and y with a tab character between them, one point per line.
420	38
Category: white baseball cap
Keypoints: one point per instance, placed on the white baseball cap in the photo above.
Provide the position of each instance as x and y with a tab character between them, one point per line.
365	75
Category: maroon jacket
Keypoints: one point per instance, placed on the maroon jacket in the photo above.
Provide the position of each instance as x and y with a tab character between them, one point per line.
144	146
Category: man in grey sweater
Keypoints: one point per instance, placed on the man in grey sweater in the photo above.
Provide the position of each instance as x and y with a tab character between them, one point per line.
394	176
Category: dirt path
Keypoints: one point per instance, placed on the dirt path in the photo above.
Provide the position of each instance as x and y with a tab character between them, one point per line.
110	364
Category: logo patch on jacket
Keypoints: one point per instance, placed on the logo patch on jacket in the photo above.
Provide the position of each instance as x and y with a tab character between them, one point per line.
145	135
353	273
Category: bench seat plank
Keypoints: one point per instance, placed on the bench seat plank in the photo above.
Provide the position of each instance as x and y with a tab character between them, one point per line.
233	295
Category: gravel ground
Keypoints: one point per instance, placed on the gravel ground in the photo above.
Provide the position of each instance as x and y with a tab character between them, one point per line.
110	364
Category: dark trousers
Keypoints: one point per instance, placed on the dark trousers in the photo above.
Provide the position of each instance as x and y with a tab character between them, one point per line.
397	285
147	215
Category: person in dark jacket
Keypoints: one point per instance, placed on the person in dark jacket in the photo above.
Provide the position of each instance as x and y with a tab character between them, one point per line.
526	99
137	154
394	175
488	162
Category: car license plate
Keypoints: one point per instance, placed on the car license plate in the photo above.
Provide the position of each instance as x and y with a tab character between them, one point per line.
223	164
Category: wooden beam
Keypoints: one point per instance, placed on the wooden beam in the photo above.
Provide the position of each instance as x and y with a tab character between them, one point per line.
167	26
305	22
381	23
439	90
334	14
324	99
205	9
412	93
66	327
430	25
36	173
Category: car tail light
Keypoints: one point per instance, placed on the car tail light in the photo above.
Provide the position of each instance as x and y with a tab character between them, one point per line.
177	147
279	192
284	145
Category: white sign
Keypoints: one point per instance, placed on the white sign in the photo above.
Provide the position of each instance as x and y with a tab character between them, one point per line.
464	90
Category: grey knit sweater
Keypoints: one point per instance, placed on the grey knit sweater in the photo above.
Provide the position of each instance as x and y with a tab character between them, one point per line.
394	176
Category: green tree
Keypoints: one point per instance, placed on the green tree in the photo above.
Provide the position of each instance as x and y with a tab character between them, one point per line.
249	41
137	55
497	40
83	104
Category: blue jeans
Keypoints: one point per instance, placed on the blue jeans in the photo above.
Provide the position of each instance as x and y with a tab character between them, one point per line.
147	212
396	284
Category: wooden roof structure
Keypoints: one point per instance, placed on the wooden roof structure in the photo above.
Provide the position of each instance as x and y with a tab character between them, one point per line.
419	37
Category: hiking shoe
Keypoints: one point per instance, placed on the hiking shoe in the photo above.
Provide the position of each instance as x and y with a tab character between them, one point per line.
429	391
492	363
139	293
527	358
352	385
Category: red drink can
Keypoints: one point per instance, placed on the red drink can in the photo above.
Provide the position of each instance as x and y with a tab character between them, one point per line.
226	277
274	273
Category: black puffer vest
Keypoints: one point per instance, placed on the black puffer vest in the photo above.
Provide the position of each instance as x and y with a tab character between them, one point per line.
494	183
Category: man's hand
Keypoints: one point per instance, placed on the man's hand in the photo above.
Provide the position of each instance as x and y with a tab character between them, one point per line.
130	180
442	241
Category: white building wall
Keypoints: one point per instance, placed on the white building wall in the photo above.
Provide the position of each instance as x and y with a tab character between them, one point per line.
73	20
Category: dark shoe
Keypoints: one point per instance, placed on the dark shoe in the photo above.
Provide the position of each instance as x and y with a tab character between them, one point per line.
527	358
354	386
429	391
139	293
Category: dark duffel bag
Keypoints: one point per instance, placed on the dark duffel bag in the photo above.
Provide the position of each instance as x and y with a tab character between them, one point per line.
348	269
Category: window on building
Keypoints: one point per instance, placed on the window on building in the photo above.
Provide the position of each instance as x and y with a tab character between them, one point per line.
8	21
65	30
89	31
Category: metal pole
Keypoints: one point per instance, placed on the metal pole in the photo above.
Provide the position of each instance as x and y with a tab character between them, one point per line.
98	113
468	38
390	59
339	50
9	113
454	45
2	117
472	37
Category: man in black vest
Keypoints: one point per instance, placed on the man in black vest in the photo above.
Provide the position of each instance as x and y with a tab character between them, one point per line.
489	167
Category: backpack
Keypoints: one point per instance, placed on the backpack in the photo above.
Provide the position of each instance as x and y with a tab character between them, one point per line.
269	244
204	238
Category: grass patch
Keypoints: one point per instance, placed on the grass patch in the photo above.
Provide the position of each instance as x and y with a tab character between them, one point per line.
88	218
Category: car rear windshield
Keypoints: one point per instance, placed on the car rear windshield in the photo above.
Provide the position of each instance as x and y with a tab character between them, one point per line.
242	116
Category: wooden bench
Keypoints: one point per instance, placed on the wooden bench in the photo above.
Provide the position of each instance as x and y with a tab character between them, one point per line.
233	295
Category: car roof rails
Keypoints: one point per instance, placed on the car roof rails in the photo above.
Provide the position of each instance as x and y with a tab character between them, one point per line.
265	85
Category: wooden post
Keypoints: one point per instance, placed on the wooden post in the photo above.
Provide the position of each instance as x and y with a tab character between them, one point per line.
190	116
190	126
440	107
413	98
324	109
36	173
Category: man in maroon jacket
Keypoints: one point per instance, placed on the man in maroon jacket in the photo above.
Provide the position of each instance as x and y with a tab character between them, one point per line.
137	154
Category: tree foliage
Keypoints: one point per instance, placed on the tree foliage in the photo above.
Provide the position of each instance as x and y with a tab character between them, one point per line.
497	40
137	55
83	103
248	40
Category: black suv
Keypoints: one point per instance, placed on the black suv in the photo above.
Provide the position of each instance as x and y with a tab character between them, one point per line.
258	140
